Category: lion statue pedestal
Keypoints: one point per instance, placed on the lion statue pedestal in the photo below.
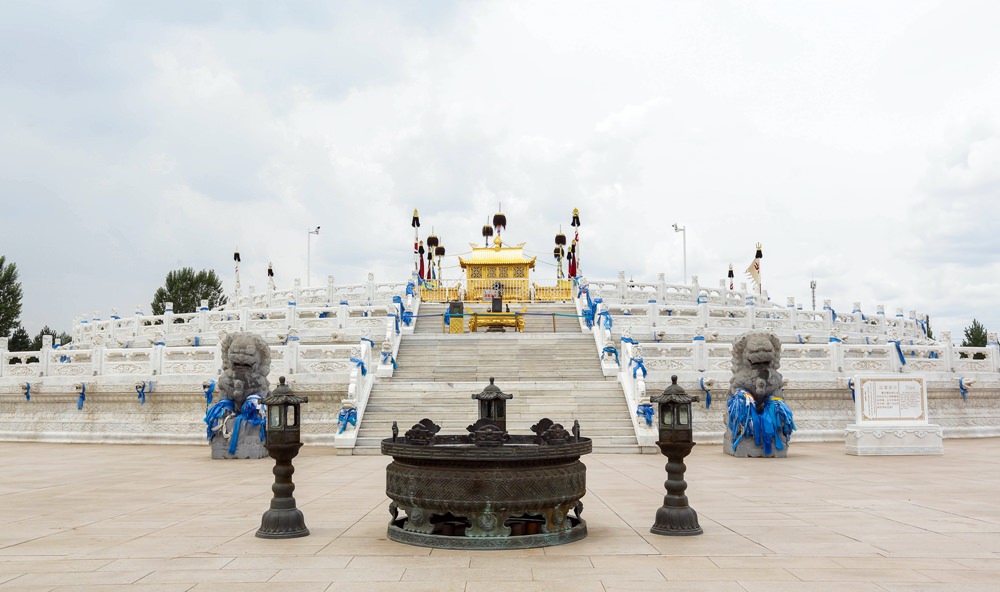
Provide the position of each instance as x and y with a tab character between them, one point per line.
759	422
236	424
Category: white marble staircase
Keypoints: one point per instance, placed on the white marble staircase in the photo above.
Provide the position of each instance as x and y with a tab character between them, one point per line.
554	375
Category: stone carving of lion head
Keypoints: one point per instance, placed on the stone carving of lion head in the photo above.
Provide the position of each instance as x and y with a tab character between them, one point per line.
246	362
756	359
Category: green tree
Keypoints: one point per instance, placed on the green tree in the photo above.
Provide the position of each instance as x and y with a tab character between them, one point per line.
10	297
186	289
19	340
63	338
975	336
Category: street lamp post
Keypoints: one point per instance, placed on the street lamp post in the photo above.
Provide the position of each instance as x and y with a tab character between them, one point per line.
309	254
683	231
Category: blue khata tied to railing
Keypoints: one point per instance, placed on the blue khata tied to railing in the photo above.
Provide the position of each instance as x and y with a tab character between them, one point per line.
850	385
899	351
140	390
645	411
250	413
769	428
610	349
370	341
409	289
962	388
347	416
360	364
606	315
833	313
216	412
637	362
447	318
408	318
209	392
629	340
27	391
388	357
82	398
708	393
588	317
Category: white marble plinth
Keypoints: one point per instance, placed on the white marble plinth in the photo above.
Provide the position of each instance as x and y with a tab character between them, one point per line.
867	440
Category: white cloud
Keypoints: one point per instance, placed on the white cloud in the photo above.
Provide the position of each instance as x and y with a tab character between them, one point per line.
862	152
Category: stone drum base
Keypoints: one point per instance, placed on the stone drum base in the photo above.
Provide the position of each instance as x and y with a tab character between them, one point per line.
925	439
747	448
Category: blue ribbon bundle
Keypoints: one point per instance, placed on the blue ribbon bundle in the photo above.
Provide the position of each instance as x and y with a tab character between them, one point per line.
637	362
395	319
767	427
388	357
409	289
629	340
216	412
370	341
250	413
645	410
850	385
610	349
83	396
833	313
347	416
209	391
708	393
140	390
27	391
360	364
408	318
962	388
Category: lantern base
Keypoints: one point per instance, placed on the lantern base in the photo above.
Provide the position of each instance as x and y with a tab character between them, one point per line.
676	522
282	524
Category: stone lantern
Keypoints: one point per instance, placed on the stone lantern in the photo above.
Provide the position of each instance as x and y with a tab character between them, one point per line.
675	517
493	404
283	520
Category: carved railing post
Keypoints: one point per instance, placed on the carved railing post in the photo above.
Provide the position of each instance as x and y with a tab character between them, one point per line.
203	316
4	348
994	347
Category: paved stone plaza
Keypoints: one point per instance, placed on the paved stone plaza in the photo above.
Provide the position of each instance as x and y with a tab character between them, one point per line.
103	517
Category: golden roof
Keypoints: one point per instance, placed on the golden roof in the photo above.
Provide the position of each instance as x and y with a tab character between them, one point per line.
497	255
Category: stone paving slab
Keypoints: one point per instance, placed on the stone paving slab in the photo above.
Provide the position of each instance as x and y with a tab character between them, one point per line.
152	518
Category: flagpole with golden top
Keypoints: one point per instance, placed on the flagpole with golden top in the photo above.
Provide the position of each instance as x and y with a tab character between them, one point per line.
415	223
236	259
575	247
753	270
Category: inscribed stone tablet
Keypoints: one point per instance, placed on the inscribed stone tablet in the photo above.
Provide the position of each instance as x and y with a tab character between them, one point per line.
891	400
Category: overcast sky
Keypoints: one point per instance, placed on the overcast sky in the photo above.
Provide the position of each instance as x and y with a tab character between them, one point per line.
859	142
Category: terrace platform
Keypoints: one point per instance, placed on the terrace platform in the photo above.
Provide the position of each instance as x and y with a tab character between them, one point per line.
164	518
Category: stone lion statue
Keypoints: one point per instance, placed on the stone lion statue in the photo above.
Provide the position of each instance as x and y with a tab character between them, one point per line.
756	359
246	362
760	423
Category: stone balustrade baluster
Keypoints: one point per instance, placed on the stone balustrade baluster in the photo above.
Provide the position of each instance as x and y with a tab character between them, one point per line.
45	356
168	317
